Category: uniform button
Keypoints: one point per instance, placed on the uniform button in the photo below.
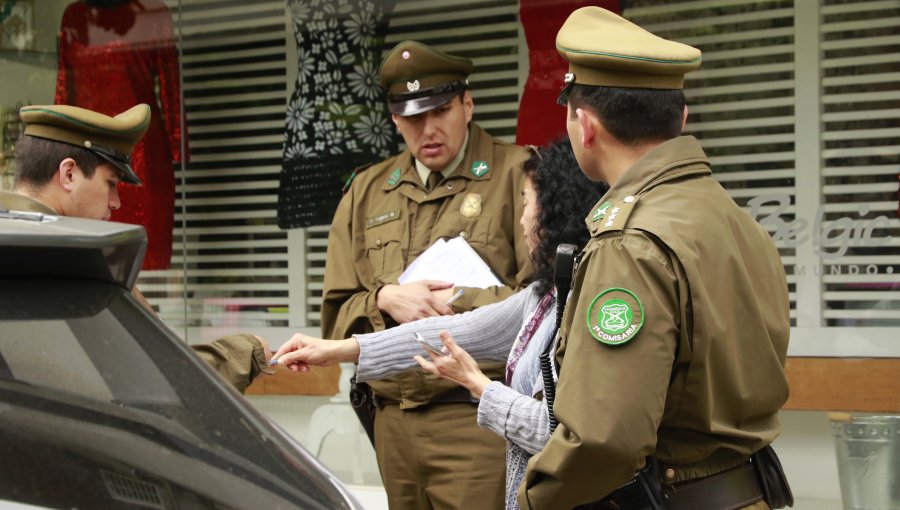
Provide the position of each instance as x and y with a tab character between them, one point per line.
449	185
464	234
629	199
378	243
670	474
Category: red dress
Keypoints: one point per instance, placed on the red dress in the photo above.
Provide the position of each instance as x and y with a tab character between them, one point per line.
541	120
110	58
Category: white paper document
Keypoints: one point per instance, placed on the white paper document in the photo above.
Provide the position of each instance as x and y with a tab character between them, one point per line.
451	261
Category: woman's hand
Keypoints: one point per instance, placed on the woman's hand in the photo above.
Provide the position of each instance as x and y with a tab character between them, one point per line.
301	352
458	367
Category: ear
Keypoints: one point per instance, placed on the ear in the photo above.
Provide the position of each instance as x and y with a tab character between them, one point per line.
394	118
469	105
684	117
68	174
586	121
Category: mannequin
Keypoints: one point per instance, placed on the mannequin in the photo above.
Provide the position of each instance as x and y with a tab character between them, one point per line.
337	88
539	123
112	54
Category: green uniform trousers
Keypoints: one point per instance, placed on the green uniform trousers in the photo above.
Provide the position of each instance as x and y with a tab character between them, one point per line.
433	458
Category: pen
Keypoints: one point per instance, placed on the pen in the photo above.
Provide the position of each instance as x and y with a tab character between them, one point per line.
455	297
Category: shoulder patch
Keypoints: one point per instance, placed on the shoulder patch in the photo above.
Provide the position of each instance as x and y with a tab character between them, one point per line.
356	171
615	316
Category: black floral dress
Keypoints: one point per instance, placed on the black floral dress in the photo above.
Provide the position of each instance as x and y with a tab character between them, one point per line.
337	119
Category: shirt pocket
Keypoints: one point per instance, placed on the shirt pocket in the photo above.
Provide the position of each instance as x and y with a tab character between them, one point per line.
383	250
474	230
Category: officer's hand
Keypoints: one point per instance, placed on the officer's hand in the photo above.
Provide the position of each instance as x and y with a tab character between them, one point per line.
301	352
414	301
458	367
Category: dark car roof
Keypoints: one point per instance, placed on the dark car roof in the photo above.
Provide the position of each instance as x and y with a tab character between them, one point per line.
34	244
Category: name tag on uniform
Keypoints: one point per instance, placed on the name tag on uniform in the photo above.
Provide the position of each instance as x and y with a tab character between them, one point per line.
380	219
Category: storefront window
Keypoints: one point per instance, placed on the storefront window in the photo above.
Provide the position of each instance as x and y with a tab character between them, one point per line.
796	104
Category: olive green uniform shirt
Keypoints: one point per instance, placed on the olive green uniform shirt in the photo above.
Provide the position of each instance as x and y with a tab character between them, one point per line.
386	220
703	376
237	358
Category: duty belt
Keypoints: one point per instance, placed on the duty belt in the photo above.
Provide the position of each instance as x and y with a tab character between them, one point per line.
455	396
728	490
735	488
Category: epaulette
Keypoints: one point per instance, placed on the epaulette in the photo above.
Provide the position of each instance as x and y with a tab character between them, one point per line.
611	216
356	171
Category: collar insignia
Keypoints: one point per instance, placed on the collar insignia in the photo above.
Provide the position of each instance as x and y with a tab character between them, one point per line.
479	168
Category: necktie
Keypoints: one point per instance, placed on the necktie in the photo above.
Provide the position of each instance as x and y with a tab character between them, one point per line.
434	178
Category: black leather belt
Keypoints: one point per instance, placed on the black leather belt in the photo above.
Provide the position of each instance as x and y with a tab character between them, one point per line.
455	396
735	488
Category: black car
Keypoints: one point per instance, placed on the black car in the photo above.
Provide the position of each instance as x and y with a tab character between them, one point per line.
103	407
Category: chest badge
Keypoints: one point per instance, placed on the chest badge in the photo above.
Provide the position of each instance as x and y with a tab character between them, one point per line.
394	178
600	212
615	316
471	205
479	168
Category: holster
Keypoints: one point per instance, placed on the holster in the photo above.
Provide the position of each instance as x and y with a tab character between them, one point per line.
774	484
364	406
643	492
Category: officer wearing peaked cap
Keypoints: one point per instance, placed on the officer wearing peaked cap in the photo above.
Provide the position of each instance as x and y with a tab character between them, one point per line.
110	138
69	162
672	347
453	180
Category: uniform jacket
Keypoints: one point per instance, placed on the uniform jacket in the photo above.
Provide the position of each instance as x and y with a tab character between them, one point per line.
237	358
386	220
674	340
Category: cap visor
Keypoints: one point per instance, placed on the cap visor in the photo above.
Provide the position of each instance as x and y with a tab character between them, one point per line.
127	173
563	98
421	104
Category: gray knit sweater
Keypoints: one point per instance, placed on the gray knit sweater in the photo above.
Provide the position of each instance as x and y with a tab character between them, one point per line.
488	334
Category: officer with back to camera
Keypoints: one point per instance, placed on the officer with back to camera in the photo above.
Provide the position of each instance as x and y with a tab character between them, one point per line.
672	348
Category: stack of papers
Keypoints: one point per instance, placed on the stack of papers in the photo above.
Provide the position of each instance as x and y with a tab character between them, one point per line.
451	261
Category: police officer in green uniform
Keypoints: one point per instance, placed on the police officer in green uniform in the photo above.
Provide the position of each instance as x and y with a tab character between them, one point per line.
452	180
69	163
673	343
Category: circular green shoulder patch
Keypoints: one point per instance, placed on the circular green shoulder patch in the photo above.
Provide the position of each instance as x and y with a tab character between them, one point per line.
615	316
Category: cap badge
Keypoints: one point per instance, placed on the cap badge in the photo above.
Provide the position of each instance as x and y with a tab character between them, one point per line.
615	316
479	168
412	86
600	212
471	205
570	78
394	178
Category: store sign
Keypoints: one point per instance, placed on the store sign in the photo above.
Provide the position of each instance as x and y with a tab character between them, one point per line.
831	238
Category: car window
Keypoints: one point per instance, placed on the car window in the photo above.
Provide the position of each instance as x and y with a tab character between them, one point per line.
94	357
94	391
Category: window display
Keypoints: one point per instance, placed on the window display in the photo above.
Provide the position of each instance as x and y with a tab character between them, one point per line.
114	54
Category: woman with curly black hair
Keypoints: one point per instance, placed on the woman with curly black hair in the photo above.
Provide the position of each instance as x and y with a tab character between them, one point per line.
557	197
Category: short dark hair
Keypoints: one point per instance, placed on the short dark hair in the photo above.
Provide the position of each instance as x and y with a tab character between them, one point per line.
633	115
38	159
564	196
